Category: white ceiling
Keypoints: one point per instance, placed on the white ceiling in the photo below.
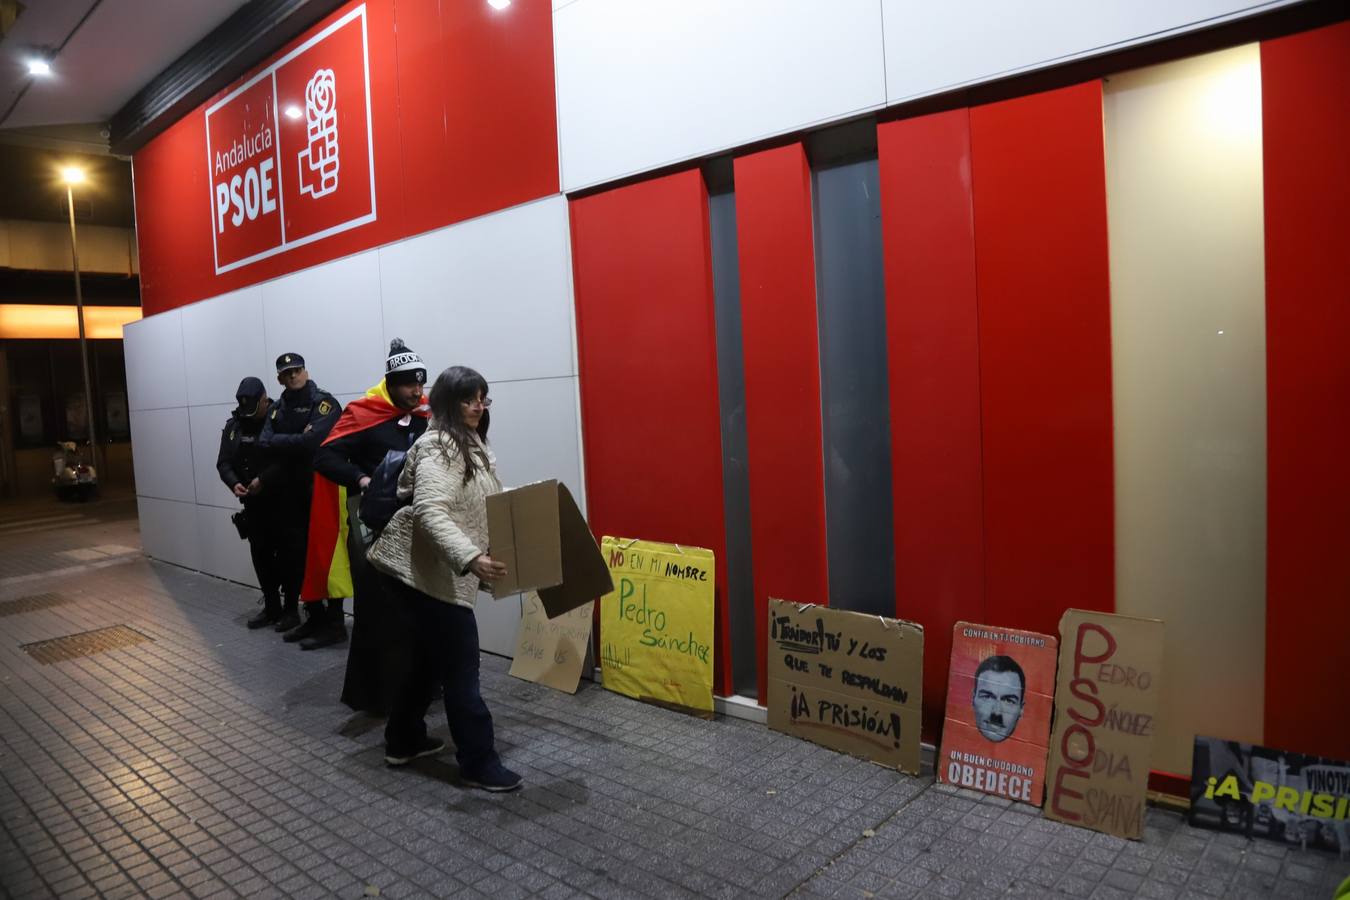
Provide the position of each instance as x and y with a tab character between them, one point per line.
115	52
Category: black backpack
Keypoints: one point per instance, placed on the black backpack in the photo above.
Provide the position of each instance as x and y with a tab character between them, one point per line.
380	500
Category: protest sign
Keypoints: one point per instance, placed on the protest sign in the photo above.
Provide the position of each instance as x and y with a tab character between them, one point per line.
552	652
848	681
656	626
1000	693
1260	792
1106	700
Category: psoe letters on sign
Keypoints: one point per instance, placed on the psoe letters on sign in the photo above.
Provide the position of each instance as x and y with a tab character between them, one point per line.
250	193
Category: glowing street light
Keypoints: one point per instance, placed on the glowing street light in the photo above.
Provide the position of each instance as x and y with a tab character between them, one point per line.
73	175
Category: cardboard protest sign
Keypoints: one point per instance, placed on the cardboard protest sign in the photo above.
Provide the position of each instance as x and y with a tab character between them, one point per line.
539	533
656	627
1106	700
552	652
848	681
1277	794
1000	693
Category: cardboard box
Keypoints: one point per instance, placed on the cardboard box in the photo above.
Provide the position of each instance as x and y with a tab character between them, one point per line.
1106	706
1000	693
848	681
657	628
539	533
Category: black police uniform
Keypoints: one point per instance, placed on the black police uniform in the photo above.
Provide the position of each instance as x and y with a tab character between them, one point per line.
239	461
296	426
374	660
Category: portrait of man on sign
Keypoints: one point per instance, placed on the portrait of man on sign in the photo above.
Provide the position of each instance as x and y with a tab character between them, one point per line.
1000	689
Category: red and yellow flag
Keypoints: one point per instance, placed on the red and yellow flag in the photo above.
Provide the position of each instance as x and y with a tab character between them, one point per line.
328	571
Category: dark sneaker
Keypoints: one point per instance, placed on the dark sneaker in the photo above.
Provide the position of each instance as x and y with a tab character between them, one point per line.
430	747
305	629
263	619
329	633
287	622
495	777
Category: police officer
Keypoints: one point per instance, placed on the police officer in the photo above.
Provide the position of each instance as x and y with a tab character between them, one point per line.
241	467
299	421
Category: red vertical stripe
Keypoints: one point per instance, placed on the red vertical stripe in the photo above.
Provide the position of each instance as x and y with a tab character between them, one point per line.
782	383
1305	95
932	324
1045	355
648	358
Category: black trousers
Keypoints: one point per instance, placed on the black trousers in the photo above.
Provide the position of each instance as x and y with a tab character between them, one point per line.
267	548
442	641
292	533
376	661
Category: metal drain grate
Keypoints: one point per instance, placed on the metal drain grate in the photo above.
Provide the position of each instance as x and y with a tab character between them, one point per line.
86	643
31	603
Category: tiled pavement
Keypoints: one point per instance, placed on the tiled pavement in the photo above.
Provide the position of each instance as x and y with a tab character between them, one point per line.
211	761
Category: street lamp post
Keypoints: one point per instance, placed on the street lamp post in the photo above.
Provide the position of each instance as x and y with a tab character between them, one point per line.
73	176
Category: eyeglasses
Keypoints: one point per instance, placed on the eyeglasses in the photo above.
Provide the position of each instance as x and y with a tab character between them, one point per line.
482	404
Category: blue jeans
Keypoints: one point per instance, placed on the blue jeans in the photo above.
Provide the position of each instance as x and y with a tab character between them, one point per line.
442	639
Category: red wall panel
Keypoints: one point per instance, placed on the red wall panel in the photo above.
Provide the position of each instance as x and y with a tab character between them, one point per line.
646	345
447	146
782	383
1305	87
932	324
479	131
1045	356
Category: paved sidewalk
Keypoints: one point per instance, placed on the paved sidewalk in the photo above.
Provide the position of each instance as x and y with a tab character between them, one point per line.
212	761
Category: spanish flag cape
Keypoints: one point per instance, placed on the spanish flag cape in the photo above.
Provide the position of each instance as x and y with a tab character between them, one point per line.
328	570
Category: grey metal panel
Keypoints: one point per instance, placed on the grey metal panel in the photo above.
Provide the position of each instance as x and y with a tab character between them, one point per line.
851	302
735	468
251	34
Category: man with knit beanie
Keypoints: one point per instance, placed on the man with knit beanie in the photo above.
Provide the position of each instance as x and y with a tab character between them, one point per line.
391	416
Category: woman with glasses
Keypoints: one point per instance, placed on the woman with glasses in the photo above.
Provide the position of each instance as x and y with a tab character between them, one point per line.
433	556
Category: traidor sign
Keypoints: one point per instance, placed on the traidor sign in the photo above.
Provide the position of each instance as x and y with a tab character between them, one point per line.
290	151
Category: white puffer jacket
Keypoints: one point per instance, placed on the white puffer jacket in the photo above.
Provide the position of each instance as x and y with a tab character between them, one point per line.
429	544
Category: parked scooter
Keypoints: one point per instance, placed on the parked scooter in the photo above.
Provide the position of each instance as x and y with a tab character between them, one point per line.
73	478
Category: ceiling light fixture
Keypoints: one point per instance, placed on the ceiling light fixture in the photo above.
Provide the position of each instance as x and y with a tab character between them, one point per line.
38	66
499	4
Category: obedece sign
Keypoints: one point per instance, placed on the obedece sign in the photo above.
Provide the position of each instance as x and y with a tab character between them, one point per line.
282	181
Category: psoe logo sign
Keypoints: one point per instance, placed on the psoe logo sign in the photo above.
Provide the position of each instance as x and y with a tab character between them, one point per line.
290	151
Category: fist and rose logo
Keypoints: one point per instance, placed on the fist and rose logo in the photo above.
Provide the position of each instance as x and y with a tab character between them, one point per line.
319	160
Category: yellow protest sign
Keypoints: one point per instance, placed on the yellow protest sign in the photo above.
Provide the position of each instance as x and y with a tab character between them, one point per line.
656	626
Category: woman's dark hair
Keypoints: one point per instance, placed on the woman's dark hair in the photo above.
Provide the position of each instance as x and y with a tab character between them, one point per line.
454	387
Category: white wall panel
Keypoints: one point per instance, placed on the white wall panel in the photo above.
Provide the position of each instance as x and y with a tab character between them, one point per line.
932	47
330	315
493	292
534	435
534	431
169	531
223	552
154	362
205	423
223	339
641	85
163	458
